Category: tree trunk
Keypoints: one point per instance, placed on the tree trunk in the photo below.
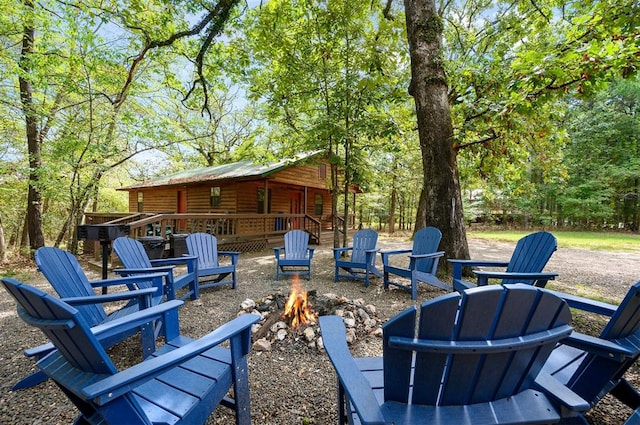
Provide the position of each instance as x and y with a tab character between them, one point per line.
3	245
441	196
34	196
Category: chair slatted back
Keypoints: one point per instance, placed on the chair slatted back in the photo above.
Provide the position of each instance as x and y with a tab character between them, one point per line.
363	240
63	325
426	241
596	373
531	254
62	270
483	314
626	320
296	243
205	247
131	253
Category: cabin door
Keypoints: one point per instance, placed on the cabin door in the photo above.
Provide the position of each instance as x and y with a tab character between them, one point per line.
295	207
182	208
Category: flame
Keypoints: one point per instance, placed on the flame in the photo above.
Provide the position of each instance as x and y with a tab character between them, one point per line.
297	307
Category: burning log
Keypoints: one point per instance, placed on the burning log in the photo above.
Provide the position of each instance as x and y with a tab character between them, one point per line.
297	309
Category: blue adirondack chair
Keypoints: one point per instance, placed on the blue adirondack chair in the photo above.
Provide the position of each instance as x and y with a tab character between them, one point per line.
634	418
64	273
204	246
595	366
182	383
362	263
475	359
294	258
423	262
135	260
525	266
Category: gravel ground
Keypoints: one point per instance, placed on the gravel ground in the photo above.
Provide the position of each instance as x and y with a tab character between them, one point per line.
292	383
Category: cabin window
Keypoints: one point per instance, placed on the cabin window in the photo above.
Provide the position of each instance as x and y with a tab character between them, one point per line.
322	170
317	210
214	197
140	202
261	201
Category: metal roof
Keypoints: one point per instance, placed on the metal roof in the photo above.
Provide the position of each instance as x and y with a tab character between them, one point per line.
236	170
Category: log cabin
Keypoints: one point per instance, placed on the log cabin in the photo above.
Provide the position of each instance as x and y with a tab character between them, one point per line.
248	200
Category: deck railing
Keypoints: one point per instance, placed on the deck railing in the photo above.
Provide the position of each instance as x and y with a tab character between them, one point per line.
228	228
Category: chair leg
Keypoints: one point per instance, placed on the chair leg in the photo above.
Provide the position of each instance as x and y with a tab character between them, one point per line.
195	288
626	393
414	289
342	408
30	381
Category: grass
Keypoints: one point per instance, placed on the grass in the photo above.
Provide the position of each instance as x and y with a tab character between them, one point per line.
599	241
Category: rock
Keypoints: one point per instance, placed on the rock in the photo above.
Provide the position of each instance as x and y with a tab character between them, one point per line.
364	316
371	309
320	343
248	304
281	334
377	332
309	334
278	325
359	302
351	335
262	345
349	322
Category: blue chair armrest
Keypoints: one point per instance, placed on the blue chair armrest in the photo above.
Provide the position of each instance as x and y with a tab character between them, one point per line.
599	347
458	265
233	254
166	312
277	250
586	304
116	385
146	270
311	251
124	280
437	254
39	351
116	296
352	380
560	394
339	251
388	253
479	263
485	275
185	259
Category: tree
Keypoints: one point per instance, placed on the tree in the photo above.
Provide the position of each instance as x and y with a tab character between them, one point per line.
46	72
326	72
441	187
603	133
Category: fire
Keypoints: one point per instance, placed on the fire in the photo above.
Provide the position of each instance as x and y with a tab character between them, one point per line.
297	307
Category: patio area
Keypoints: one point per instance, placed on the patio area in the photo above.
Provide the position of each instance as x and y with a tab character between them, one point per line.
294	383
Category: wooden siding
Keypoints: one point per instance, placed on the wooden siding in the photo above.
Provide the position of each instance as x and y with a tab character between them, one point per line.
301	175
247	196
198	199
155	200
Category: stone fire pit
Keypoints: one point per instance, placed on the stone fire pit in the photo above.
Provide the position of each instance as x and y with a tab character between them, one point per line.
360	320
